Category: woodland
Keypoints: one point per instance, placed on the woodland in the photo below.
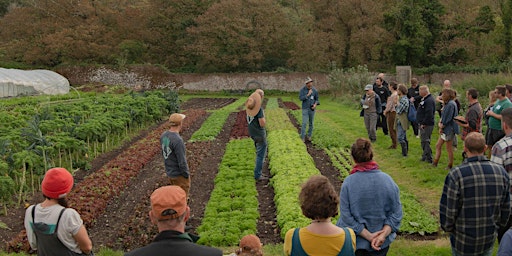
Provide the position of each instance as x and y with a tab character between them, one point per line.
204	36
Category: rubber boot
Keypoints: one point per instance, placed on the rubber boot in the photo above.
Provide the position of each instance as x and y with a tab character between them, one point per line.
404	148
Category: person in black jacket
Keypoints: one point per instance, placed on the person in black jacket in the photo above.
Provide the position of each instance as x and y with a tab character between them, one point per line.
170	212
413	93
425	119
380	87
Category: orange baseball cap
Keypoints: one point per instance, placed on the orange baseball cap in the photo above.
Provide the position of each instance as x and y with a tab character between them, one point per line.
168	202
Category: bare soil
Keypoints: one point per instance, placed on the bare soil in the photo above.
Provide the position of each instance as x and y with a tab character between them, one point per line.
124	225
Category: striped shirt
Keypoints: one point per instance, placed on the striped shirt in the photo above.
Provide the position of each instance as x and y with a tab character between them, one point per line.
475	201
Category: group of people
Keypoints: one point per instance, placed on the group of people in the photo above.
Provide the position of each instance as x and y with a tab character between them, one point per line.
474	206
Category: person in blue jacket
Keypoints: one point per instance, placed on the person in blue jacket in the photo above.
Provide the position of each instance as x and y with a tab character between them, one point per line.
309	97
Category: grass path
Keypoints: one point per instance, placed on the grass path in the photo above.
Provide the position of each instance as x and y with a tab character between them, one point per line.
416	177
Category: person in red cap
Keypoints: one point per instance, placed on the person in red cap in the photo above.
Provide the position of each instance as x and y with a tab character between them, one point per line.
169	212
53	228
174	153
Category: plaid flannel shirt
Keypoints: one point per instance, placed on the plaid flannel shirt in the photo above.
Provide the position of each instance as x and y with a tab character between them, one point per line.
502	153
475	201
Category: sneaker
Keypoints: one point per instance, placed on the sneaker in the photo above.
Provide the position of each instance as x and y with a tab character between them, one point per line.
308	138
417	136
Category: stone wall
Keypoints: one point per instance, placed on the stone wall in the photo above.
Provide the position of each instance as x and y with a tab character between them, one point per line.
152	77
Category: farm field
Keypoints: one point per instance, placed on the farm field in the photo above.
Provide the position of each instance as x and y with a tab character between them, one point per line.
214	130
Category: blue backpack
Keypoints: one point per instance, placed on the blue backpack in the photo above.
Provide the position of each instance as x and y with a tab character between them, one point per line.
411	115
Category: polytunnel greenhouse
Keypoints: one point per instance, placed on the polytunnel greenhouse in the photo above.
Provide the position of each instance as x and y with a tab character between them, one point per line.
16	82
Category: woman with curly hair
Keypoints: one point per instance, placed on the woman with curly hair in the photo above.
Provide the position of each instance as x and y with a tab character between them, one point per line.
370	203
319	202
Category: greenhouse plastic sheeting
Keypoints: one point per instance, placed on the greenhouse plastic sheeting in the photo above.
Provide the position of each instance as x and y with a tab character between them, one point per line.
16	82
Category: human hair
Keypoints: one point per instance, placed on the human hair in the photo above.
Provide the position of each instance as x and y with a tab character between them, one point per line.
378	78
393	84
61	201
475	142
473	93
318	199
362	151
425	87
414	81
447	95
508	87
500	89
506	117
402	89
492	97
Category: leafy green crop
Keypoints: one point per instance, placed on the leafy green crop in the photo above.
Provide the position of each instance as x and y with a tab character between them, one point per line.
232	210
213	125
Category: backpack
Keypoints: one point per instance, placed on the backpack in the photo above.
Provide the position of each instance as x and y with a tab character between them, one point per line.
411	115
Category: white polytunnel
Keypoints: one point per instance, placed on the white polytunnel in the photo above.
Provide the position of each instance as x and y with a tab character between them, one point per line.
17	82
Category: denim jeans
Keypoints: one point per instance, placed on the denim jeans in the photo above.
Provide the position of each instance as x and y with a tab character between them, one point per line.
261	151
308	116
402	135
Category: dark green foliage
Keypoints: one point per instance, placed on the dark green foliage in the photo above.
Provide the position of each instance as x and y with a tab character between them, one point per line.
416	27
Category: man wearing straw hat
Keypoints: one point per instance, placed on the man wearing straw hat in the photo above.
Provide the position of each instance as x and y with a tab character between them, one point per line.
309	97
256	124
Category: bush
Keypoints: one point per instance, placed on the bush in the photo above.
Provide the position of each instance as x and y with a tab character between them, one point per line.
350	81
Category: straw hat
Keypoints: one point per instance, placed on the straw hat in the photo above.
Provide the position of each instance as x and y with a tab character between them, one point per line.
253	104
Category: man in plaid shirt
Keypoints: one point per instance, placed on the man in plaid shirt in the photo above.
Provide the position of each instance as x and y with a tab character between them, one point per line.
475	201
502	154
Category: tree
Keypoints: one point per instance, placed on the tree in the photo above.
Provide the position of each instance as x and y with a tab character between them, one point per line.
416	27
241	35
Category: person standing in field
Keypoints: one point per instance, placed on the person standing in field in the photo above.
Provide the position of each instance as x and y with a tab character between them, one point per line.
372	107
448	129
390	113
488	141
309	97
472	122
174	153
382	90
169	212
495	129
402	122
475	200
413	93
319	202
256	124
425	118
53	228
501	154
370	203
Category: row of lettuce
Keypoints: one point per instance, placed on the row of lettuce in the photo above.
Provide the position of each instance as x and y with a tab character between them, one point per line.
37	133
232	210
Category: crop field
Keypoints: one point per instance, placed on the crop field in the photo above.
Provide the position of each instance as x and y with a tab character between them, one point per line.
116	161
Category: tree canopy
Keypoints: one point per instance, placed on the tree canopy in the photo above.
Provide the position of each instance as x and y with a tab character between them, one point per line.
255	35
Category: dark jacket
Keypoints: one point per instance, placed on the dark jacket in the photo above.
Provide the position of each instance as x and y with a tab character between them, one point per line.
174	243
414	93
426	111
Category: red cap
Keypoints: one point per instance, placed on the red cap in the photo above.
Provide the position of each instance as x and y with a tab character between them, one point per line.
57	183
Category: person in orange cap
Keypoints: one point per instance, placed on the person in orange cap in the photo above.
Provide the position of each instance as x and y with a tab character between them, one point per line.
53	228
169	212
